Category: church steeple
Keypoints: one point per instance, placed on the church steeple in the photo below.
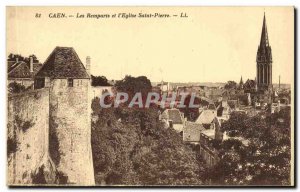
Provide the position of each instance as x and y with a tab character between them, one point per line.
241	85
264	59
264	40
241	81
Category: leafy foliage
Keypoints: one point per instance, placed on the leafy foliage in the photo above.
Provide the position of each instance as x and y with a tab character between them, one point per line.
231	85
265	160
12	146
39	177
13	57
15	87
132	85
61	177
99	81
130	146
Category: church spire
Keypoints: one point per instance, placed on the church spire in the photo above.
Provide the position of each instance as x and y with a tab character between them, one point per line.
264	40
241	85
241	81
264	59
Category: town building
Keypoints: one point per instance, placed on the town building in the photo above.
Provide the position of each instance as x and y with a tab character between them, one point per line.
22	71
206	117
207	139
165	87
174	119
191	132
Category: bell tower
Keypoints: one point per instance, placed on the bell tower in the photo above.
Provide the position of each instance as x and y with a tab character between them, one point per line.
264	61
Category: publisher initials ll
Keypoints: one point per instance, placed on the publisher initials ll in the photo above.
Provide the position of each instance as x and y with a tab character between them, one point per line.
183	15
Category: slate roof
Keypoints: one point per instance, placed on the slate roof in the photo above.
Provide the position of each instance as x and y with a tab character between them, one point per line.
63	62
209	133
249	84
193	126
22	69
206	117
173	115
191	131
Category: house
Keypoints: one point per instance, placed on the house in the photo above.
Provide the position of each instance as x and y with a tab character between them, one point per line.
191	132
165	87
189	90
23	71
206	117
233	104
215	94
250	86
207	151
207	139
275	107
173	118
224	110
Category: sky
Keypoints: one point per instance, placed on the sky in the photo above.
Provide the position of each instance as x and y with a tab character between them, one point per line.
213	44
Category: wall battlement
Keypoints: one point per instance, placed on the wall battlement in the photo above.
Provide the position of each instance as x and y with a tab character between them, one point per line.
40	131
28	131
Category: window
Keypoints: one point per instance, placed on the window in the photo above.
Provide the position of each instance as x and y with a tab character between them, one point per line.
39	83
70	82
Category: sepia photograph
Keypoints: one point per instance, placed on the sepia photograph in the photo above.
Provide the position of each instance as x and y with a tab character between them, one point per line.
150	96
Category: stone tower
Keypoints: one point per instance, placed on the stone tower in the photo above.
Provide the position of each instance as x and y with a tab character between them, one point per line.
264	61
69	115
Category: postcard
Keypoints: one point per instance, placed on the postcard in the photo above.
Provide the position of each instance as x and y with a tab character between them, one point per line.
150	96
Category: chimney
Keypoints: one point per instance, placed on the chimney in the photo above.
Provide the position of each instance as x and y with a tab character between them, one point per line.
88	65
31	64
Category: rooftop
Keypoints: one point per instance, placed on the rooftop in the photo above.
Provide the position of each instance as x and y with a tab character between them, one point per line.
206	116
209	133
63	62
21	69
174	115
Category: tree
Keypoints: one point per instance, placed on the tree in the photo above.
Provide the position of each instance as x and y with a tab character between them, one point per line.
130	145
231	85
13	57
34	59
15	87
132	85
265	160
99	81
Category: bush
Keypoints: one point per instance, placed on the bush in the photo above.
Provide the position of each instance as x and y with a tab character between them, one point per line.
12	146
15	87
